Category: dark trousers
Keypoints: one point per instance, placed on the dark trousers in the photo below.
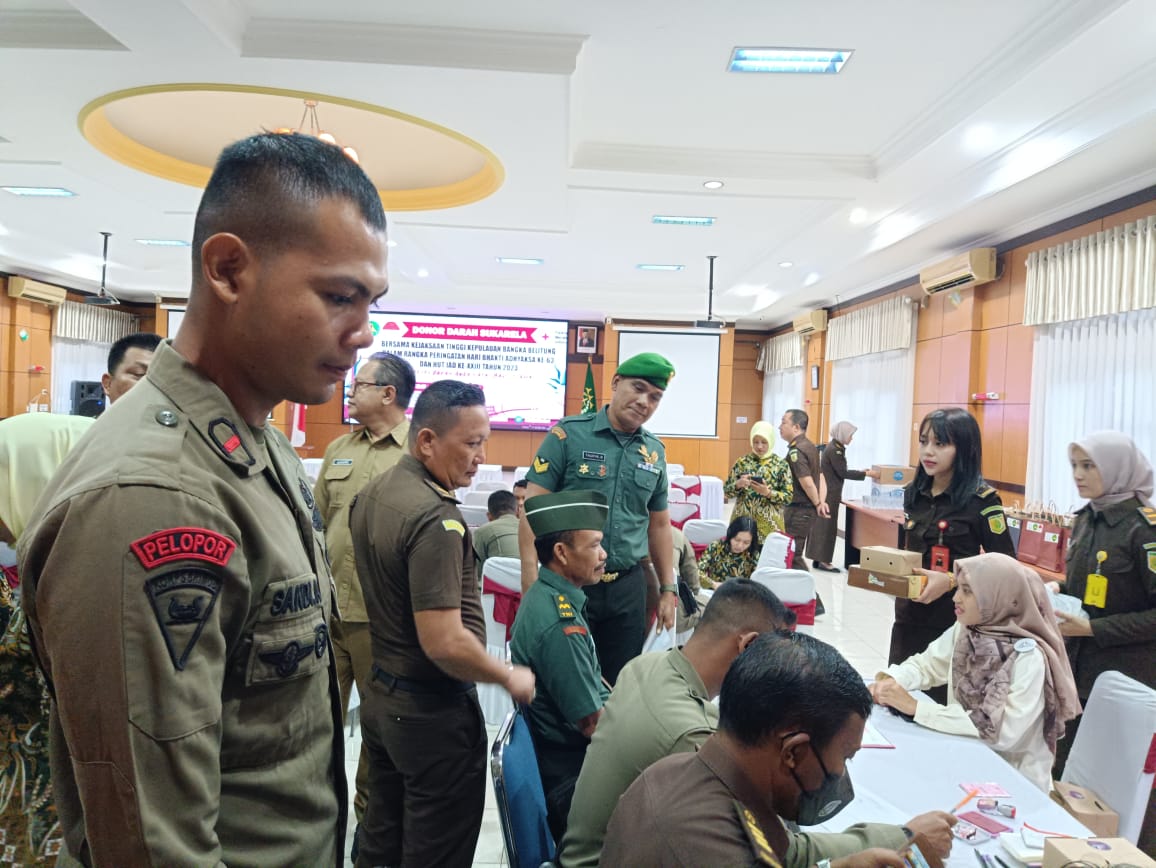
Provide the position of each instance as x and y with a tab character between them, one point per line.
797	522
616	613
427	778
559	767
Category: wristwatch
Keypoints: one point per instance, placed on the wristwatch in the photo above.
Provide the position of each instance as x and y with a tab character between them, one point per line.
823	863
668	589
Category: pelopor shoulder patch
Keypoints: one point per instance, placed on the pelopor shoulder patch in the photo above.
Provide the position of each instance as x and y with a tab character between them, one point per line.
182	602
183	544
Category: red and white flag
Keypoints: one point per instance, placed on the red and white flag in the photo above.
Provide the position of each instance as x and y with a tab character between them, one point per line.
297	428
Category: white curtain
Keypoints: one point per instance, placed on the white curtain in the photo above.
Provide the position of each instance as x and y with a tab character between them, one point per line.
782	391
75	360
1088	375
873	392
86	322
783	351
1109	272
888	325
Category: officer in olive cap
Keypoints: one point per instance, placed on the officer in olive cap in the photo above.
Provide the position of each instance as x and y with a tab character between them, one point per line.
610	452
552	637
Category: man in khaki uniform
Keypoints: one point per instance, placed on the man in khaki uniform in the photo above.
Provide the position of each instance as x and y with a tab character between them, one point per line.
175	575
128	362
420	718
381	391
498	537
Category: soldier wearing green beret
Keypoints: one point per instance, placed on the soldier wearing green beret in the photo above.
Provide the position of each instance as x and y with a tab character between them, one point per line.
611	453
552	637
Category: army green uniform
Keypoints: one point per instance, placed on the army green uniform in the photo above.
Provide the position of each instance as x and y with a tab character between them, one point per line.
424	729
585	452
1124	629
552	637
179	598
801	512
496	539
350	462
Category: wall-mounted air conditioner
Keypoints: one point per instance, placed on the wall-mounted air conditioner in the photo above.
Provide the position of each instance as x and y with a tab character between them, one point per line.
809	323
960	272
34	290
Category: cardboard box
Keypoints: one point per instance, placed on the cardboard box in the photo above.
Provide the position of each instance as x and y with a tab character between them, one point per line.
1087	807
894	474
1059	852
886	583
884	559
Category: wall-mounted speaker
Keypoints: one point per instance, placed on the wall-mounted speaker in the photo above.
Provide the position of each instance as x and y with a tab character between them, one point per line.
87	398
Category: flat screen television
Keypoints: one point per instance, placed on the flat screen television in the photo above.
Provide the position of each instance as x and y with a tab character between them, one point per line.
519	363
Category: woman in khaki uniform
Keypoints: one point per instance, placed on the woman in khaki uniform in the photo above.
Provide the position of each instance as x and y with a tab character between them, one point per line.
1112	568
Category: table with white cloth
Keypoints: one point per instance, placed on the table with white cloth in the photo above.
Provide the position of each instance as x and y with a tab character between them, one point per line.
923	772
711	505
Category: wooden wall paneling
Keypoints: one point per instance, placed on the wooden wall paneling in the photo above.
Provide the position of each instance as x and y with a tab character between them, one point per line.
930	320
1018	379
918	411
1148	209
960	317
990	419
955	369
928	355
1015	445
994	298
715	458
991	359
510	448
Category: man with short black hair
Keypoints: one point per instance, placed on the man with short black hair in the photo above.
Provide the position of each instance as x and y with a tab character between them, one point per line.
791	713
552	637
498	537
175	577
128	362
520	487
809	496
378	398
421	720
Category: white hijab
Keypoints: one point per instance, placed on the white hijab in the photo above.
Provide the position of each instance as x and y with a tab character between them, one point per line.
1123	468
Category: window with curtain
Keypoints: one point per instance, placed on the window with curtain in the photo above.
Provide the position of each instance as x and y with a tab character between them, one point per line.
1088	375
874	393
82	335
782	391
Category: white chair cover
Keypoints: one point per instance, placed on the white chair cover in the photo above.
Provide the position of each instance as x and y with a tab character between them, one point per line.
675	495
681	512
491	486
685	482
1112	748
475	516
488	473
778	549
507	572
520	473
791	586
673	470
712	497
476	498
704	531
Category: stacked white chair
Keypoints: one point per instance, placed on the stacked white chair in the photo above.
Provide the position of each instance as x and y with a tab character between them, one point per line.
675	495
680	513
475	516
778	551
491	486
701	532
476	498
488	473
506	572
1113	753
796	588
673	470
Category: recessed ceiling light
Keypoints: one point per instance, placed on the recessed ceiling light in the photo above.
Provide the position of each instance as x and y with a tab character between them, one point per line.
391	243
858	216
670	220
809	60
652	266
811	279
38	191
786	263
162	242
515	260
713	185
423	272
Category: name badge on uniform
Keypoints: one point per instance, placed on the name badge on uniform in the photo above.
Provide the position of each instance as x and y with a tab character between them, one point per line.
342	462
1096	591
649	468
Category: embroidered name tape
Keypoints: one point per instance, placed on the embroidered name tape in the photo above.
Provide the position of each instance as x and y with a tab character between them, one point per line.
183	544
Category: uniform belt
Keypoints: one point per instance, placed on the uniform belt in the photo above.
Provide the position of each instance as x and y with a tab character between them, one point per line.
428	686
609	577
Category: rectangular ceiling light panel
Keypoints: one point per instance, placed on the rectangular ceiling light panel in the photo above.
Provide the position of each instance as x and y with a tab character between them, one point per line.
789	60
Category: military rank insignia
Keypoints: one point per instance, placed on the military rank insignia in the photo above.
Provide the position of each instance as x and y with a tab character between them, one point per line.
995	518
565	610
583	468
559	432
650	457
1150	550
454	526
1149	514
540	466
760	846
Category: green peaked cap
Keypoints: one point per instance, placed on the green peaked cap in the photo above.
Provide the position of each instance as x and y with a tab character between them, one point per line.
566	510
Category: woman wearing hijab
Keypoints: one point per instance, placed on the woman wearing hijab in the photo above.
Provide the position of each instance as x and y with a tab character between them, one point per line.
760	482
32	446
1112	569
1008	679
833	465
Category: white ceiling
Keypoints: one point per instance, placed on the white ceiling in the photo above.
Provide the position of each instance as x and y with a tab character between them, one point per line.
955	123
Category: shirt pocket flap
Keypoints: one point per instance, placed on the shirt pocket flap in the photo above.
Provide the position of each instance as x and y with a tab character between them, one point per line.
338	471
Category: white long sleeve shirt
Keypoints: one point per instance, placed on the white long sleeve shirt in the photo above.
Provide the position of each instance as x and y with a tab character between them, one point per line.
1021	736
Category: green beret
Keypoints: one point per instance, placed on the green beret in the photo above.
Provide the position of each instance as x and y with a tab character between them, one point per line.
566	510
652	367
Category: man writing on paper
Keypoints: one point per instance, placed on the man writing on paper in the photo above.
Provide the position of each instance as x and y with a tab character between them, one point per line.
609	451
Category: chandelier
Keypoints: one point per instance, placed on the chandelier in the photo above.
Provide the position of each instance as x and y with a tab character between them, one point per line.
311	126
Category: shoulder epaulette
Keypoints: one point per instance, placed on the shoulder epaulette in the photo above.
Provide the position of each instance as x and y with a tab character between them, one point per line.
985	491
1149	514
760	846
565	609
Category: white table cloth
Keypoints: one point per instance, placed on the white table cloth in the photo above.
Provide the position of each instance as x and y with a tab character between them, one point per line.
923	773
711	505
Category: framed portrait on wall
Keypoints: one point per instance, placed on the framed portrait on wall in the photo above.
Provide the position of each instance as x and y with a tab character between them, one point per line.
814	376
587	339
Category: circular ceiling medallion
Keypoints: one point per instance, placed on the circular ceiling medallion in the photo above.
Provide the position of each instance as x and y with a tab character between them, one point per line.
176	132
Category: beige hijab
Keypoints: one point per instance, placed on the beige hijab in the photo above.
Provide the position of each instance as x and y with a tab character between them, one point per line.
843	432
32	447
1013	605
1123	468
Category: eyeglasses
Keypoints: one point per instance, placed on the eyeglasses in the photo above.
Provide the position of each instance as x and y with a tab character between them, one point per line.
357	384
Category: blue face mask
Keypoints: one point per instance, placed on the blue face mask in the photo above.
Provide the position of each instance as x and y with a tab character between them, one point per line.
832	796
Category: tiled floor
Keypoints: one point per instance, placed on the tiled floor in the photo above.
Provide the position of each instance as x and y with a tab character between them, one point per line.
857	622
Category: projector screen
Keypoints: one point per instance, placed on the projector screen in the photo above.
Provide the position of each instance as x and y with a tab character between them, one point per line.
690	406
519	363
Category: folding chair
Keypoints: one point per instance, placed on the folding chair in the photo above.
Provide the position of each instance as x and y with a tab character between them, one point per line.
796	588
521	800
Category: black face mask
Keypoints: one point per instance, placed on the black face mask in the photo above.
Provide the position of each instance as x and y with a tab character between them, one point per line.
819	806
